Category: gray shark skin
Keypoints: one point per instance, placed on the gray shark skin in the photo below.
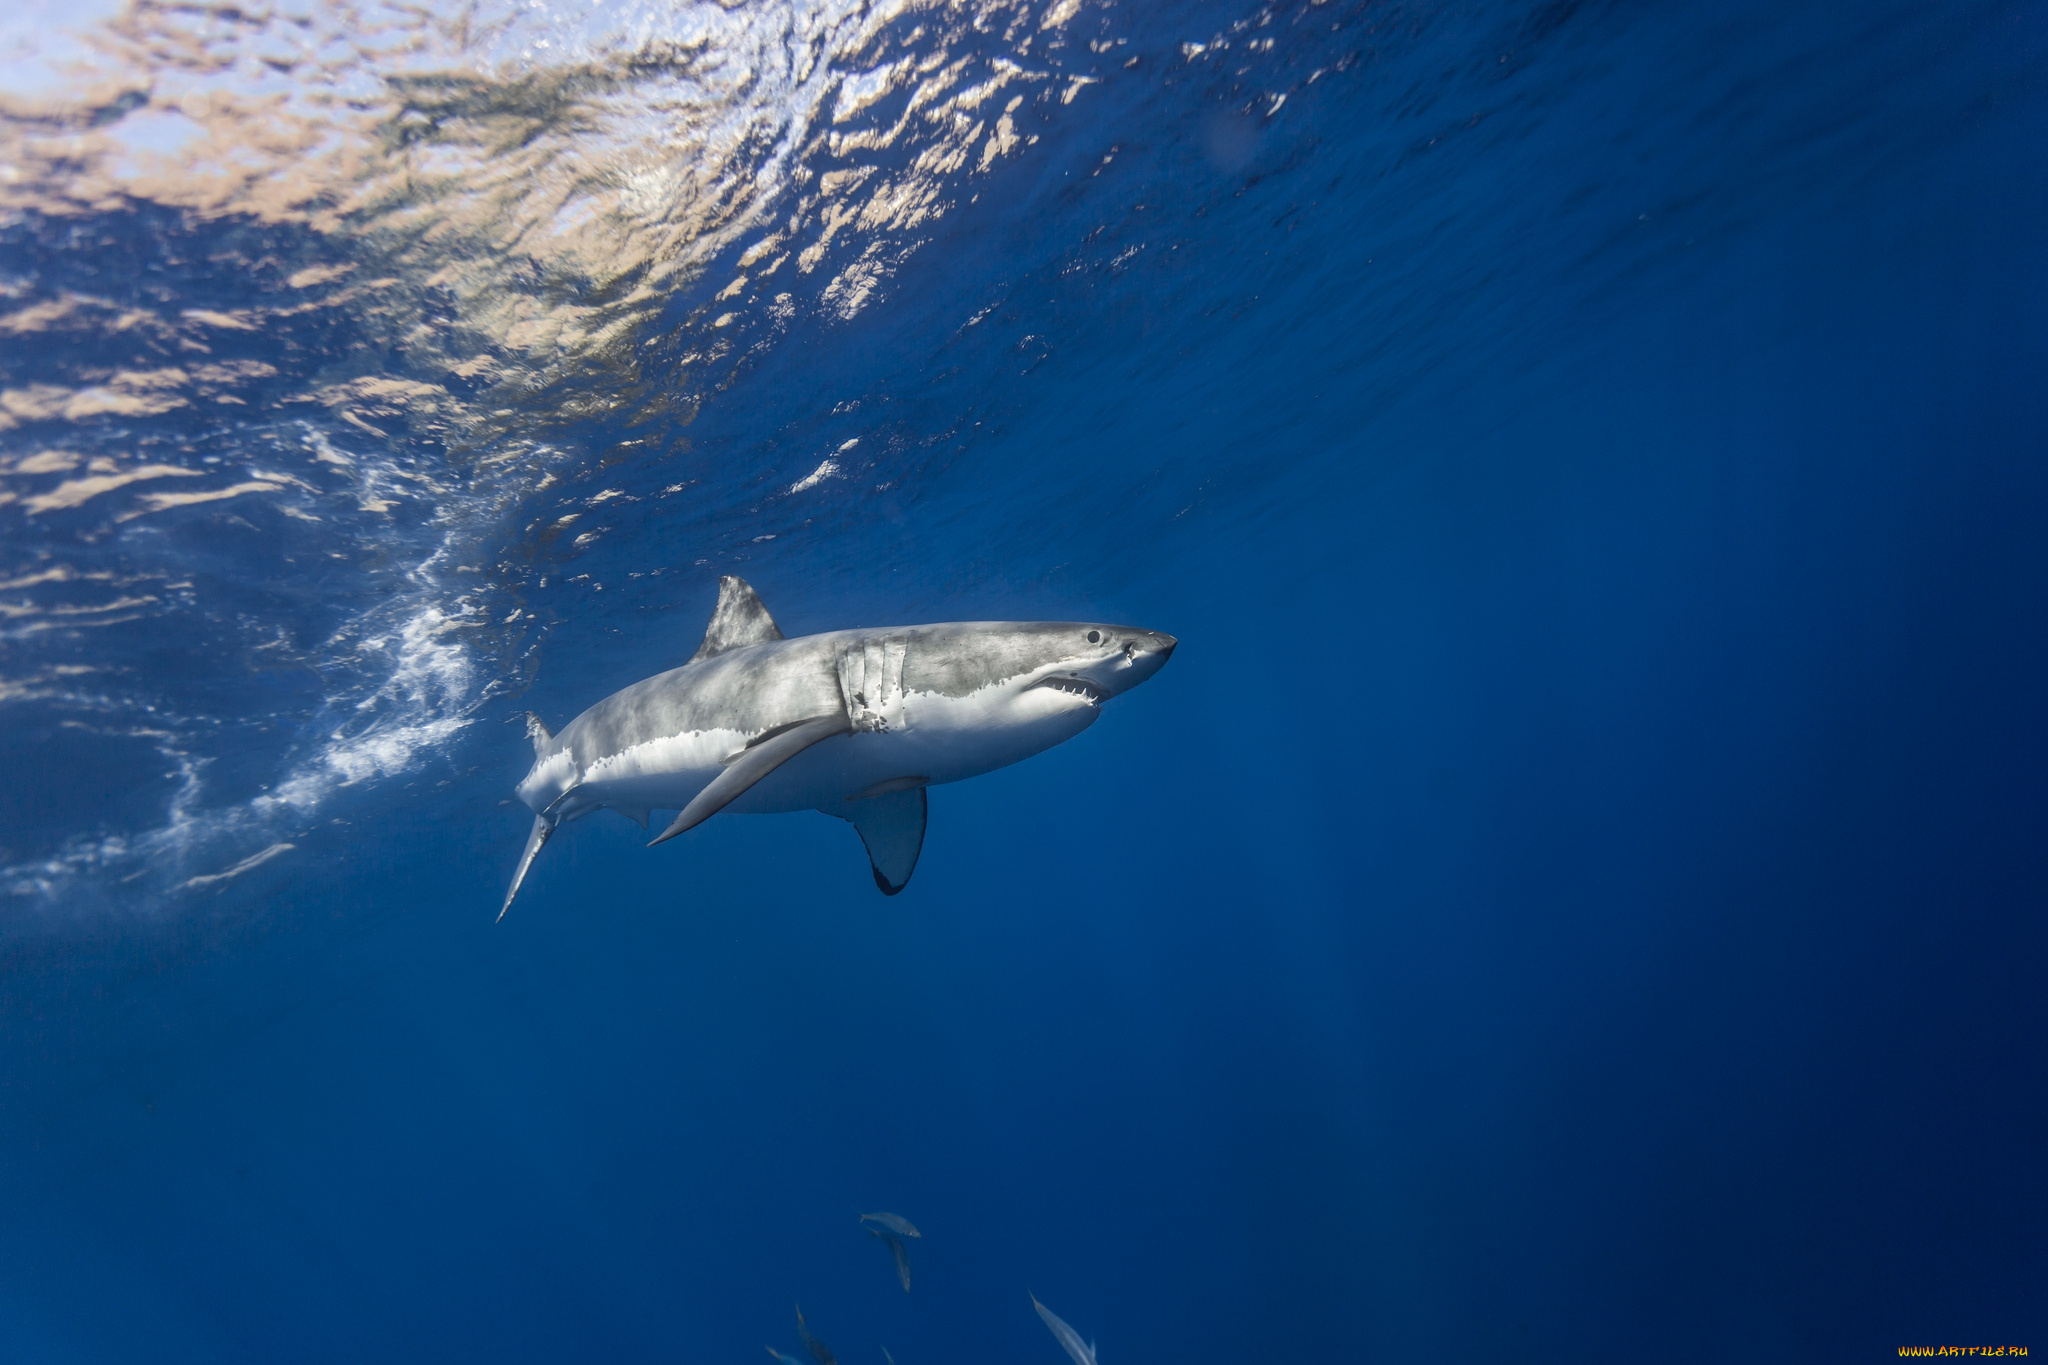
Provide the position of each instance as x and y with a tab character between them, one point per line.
854	723
1082	1352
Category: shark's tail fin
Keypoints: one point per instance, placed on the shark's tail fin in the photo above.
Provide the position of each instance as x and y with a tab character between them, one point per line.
538	733
542	828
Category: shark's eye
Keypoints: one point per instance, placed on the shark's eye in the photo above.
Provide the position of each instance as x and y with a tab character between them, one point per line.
1094	637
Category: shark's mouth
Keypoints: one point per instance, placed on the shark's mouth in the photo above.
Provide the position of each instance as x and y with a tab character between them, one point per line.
1076	687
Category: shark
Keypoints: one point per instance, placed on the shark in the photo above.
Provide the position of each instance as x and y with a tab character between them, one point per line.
854	723
1083	1353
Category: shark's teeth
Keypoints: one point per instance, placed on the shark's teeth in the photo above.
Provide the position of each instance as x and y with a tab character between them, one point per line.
1075	687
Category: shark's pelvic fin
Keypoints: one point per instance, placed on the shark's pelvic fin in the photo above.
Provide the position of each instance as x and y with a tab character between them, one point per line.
542	828
538	733
738	619
637	814
891	825
884	788
752	764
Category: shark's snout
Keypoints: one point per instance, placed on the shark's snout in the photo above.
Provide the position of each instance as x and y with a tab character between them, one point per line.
1148	652
1150	645
1143	653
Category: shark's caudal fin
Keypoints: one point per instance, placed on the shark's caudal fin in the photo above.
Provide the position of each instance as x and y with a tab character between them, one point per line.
542	828
767	752
891	825
738	619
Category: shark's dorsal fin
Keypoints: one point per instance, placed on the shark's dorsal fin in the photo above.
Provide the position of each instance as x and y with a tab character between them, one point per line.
538	733
738	619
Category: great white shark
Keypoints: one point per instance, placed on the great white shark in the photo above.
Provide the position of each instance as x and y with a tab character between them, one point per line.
854	723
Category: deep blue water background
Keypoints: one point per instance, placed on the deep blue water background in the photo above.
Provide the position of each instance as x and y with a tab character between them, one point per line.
1575	894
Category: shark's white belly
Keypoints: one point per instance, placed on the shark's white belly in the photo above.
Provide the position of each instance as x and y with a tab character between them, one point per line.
934	737
940	739
657	774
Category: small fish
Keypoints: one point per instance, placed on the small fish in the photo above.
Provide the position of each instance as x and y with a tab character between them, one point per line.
886	1356
1083	1354
820	1352
895	1222
902	1261
782	1359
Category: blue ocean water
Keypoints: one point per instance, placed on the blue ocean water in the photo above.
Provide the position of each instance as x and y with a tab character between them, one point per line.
1576	892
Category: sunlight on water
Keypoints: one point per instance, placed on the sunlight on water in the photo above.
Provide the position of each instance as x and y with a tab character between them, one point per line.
357	355
368	281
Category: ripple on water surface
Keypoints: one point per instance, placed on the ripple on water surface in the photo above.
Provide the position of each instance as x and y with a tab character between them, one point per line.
353	357
321	326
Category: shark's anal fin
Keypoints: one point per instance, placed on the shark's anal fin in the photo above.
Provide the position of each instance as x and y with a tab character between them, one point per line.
542	828
738	619
891	825
753	763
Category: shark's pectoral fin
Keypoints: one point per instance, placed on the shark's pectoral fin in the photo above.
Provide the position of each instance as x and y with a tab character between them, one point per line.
752	764
637	814
891	825
542	828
